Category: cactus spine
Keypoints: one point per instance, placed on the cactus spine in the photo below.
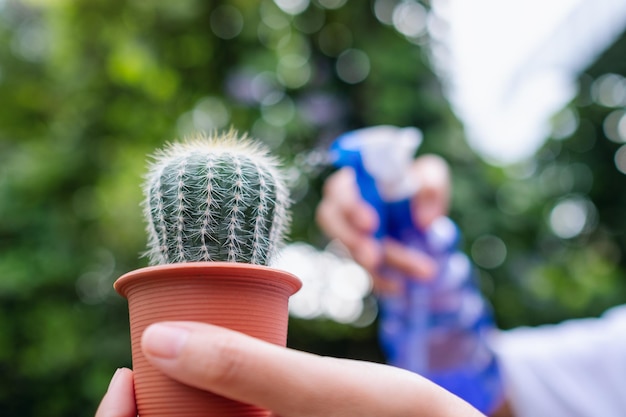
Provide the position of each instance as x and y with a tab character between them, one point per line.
215	198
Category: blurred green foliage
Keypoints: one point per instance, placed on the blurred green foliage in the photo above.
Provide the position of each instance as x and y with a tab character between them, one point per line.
88	88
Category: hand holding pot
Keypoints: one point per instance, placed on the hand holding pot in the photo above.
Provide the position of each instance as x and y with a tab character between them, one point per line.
288	382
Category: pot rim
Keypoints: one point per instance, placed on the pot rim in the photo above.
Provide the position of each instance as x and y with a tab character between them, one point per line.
201	269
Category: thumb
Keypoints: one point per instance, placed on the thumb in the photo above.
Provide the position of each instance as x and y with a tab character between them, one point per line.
289	382
433	198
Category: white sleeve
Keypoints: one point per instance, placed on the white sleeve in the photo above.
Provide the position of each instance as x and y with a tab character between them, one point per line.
573	369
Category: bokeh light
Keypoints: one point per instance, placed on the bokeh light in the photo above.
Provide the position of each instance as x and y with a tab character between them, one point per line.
292	6
409	18
209	114
264	86
489	251
30	42
353	66
272	17
334	287
279	110
383	10
571	216
293	71
564	124
331	4
94	285
272	136
620	159
614	126
226	21
609	90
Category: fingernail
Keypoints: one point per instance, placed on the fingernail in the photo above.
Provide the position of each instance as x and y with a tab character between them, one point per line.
164	341
114	378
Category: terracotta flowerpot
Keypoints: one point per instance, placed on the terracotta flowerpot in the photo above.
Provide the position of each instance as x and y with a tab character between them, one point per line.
251	299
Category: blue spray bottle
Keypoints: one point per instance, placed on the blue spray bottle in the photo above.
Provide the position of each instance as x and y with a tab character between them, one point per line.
437	328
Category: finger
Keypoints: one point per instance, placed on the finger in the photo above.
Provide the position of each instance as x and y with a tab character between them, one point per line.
342	197
408	261
119	400
342	189
289	382
433	199
343	214
384	286
338	223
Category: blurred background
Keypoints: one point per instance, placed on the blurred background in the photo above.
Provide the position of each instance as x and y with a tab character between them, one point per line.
527	103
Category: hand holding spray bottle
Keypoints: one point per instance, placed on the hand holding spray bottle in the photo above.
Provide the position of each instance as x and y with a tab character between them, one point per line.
437	328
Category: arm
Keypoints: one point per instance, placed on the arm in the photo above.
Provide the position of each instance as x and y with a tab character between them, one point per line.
246	369
573	368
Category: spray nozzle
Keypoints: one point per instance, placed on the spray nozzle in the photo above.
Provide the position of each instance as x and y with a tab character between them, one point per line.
386	153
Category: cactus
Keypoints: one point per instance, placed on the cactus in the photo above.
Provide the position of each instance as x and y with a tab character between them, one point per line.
215	198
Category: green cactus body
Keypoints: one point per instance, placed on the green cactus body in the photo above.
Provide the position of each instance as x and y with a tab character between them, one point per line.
217	198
